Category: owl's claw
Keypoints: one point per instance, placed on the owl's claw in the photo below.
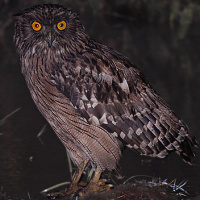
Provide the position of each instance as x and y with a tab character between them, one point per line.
104	182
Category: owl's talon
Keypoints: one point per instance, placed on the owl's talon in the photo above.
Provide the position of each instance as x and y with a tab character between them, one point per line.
102	182
105	183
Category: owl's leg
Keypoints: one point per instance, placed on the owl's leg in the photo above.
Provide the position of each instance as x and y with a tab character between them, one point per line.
77	177
96	184
74	187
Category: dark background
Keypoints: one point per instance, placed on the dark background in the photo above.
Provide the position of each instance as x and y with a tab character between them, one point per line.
161	37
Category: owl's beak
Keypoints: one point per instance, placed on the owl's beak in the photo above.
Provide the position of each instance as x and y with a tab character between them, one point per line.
49	39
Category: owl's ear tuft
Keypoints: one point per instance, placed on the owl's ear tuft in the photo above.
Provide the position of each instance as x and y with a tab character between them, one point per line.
17	15
22	12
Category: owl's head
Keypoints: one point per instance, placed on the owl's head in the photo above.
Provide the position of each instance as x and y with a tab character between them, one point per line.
48	27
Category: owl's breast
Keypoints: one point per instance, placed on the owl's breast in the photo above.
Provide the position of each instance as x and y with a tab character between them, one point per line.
48	99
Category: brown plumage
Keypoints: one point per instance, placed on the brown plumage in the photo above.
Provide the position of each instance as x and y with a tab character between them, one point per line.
96	100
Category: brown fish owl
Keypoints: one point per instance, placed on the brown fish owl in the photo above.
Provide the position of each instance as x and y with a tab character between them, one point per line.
95	99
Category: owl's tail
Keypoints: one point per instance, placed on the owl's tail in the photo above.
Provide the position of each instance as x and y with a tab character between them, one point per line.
186	150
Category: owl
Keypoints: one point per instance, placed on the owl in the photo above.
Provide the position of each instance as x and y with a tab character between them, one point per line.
95	99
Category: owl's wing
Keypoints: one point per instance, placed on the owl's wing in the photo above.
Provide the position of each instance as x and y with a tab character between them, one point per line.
109	91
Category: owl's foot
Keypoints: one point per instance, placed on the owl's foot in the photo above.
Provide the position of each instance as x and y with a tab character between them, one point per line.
72	190
81	189
99	186
96	184
75	187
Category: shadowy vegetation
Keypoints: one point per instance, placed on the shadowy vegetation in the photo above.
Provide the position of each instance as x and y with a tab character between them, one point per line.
157	11
2	121
179	14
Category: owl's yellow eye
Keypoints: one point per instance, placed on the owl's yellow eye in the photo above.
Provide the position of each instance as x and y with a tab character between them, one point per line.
61	25
36	26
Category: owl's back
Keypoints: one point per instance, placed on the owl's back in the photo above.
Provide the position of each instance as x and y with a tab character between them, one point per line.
110	91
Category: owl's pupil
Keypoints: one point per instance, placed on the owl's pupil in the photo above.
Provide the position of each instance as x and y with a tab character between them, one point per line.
36	25
61	25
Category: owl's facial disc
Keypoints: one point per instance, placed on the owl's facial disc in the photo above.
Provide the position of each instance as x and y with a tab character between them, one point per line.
49	28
